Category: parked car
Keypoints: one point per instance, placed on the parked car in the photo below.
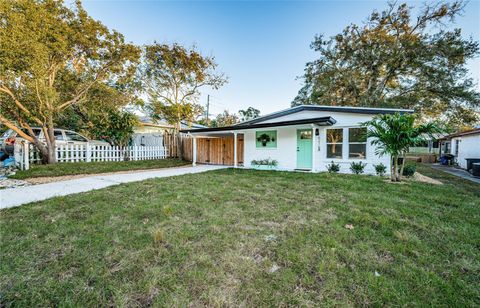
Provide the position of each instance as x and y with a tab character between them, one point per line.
62	137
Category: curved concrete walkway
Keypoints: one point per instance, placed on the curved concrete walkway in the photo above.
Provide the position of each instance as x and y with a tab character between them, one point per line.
22	195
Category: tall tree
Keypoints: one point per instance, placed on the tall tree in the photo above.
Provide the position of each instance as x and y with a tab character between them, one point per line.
225	119
249	114
394	60
173	76
50	58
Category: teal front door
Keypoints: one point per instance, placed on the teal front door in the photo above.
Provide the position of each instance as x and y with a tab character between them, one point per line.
304	149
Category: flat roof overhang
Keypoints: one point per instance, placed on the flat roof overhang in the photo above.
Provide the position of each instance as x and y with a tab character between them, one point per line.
323	121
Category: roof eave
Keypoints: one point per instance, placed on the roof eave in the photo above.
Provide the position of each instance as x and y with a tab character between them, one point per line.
323	121
347	109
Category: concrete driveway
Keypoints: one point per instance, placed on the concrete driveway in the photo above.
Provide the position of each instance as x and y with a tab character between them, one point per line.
22	195
457	172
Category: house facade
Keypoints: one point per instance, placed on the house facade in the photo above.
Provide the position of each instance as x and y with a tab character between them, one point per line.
463	145
305	138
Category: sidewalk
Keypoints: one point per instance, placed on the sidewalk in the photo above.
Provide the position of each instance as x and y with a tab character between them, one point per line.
21	195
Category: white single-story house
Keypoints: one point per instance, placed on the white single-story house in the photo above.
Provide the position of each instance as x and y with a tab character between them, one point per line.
464	146
306	137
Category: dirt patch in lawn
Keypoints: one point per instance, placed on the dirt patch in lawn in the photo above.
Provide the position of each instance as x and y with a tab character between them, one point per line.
48	179
425	179
417	177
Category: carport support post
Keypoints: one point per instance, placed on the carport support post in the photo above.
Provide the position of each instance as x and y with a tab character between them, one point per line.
314	147
235	158
194	150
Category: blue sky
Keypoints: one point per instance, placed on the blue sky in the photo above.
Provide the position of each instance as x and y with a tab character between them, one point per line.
261	46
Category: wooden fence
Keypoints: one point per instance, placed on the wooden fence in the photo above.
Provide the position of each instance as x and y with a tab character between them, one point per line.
27	154
176	142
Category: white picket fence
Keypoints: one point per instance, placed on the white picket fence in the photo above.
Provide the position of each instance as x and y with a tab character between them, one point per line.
26	153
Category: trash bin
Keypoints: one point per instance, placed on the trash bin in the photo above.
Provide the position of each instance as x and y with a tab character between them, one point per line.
471	161
476	169
446	159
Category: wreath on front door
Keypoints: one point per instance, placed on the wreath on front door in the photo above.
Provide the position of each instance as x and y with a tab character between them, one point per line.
264	139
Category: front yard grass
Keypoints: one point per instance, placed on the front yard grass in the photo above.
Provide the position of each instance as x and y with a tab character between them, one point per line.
252	238
61	169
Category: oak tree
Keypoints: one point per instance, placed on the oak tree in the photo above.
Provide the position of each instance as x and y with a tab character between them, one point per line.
51	56
397	60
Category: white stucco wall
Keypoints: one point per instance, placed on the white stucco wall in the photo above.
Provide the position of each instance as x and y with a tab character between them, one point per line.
468	147
286	151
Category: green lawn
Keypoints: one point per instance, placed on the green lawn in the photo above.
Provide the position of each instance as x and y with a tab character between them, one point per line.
61	169
251	238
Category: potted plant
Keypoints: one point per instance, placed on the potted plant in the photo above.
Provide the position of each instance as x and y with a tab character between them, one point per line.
264	139
264	164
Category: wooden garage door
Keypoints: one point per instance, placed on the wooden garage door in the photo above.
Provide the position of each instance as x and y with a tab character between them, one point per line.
219	151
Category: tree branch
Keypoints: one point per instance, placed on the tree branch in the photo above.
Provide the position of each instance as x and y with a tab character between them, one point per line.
19	104
13	127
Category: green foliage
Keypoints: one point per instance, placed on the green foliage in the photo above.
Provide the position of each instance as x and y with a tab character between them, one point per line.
174	75
409	169
115	127
249	114
380	169
224	119
102	101
51	58
357	167
333	167
264	162
393	60
394	134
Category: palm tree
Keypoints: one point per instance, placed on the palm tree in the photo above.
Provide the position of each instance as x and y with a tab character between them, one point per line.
394	134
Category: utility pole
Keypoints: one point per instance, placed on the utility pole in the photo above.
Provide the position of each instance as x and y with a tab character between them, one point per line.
208	107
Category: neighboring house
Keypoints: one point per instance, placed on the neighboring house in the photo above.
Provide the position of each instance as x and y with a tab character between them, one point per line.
430	145
148	125
305	137
150	132
463	145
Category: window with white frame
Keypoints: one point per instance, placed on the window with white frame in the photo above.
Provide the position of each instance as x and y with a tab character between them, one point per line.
357	143
334	143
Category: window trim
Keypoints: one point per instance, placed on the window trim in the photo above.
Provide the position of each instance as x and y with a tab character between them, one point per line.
340	143
355	142
266	131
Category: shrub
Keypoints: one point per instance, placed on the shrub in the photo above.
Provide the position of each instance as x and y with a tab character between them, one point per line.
333	167
357	168
380	169
264	162
409	169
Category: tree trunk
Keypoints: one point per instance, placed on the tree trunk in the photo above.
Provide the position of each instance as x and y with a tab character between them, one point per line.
42	149
178	140
394	175
403	165
52	157
47	151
